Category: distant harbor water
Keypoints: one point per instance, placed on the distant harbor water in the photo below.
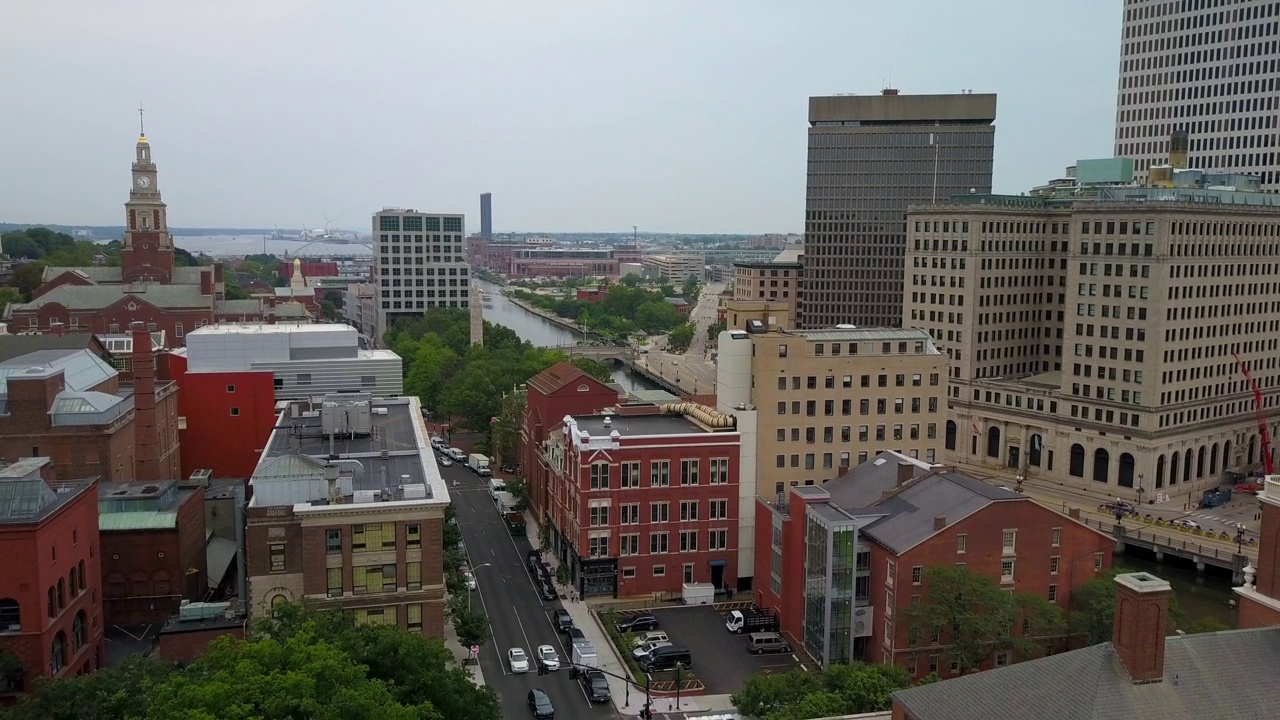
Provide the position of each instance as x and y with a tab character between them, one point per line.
241	245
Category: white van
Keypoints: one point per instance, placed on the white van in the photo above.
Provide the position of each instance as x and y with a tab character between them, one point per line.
496	485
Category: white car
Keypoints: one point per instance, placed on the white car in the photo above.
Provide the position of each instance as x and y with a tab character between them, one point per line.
446	462
471	581
548	657
643	651
518	661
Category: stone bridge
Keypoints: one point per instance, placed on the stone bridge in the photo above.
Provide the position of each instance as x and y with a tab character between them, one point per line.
597	352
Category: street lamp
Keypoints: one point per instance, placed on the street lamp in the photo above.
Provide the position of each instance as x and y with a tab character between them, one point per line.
1239	539
1141	488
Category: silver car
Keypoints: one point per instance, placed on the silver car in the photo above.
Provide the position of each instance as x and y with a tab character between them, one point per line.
643	651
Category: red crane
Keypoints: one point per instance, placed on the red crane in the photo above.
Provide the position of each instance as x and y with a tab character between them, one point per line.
1262	417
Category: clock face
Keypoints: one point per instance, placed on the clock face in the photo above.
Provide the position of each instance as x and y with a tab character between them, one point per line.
144	182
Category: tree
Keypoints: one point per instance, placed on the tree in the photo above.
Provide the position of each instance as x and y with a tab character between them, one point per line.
564	576
594	368
110	693
8	296
27	277
680	338
504	434
519	489
691	288
1093	608
840	690
975	618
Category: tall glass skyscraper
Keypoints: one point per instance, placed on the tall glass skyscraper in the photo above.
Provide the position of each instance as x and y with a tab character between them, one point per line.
486	215
869	158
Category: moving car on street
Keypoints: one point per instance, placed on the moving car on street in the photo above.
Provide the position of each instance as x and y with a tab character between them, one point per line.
540	704
596	686
518	661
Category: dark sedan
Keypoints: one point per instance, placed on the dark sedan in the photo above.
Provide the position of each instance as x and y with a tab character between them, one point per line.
540	704
596	685
638	623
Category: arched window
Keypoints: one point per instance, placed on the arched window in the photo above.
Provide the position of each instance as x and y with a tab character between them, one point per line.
83	582
10	615
1200	463
1253	450
62	594
1226	455
1077	461
1101	465
1173	468
1034	451
1213	459
950	437
79	635
993	442
1125	478
1186	467
1160	472
278	601
58	652
53	601
71	582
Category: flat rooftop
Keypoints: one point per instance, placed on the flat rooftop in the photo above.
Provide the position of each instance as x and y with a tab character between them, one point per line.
271	329
631	425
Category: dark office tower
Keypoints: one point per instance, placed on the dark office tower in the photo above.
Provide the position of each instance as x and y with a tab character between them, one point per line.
486	215
869	158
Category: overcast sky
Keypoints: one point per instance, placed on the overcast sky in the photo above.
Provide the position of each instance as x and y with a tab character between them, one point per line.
681	116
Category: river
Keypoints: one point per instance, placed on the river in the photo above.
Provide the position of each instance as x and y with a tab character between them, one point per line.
499	309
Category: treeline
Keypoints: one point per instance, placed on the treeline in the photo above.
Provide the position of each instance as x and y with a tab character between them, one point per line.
456	379
624	310
298	664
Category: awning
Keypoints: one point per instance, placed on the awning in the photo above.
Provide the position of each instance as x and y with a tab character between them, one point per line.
219	554
716	563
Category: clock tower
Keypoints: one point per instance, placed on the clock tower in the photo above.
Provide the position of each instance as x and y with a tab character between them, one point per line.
146	253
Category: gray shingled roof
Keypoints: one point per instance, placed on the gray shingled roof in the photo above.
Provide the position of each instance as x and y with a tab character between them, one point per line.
12	346
98	275
239	307
1206	676
97	297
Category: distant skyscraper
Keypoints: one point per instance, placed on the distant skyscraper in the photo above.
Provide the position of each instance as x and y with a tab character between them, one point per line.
1209	69
869	158
486	215
420	262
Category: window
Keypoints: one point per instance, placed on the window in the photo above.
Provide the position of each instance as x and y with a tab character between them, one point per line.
598	515
889	570
1002	659
782	351
598	546
333	582
1056	540
235	412
375	616
661	570
657	543
1053	593
413	613
629	514
1097	562
718	539
629	544
688	510
688	472
628	572
630	474
277	558
57	652
79	632
659	512
373	537
413	535
719	471
688	541
719	509
304	378
333	542
659	473
1008	541
1006	571
961	541
231	388
917	574
599	476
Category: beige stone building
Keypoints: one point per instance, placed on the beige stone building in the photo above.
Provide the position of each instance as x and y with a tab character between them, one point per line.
1094	341
765	291
812	403
676	266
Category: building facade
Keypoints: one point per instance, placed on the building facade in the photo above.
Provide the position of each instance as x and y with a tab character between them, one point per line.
1103	343
51	589
674	267
420	262
845	560
554	262
153	550
343	519
645	500
811	403
1206	69
765	291
560	390
869	158
486	215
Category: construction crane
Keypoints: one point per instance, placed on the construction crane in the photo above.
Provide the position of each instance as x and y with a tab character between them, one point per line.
1262	416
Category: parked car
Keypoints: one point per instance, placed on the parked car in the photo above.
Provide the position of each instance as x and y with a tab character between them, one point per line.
547	591
576	635
643	652
667	657
540	704
638	623
563	620
652	636
471	580
548	658
518	661
596	685
763	642
446	462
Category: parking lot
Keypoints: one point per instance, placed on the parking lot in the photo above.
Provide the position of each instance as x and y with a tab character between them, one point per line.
720	658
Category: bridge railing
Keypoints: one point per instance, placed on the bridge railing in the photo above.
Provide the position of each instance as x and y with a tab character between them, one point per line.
1207	551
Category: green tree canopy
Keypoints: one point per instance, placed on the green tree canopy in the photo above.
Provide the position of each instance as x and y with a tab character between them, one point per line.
680	338
840	690
120	692
973	617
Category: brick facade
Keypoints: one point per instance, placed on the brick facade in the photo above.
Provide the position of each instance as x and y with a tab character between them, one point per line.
560	390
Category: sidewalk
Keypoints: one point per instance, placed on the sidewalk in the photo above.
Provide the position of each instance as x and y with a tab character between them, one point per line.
461	654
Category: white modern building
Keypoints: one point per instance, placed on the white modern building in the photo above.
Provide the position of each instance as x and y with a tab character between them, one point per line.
306	360
420	262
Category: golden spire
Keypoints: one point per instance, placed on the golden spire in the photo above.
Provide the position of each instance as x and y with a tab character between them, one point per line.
142	129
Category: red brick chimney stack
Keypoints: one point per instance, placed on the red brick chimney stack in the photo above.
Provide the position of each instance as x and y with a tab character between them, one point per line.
1141	624
146	443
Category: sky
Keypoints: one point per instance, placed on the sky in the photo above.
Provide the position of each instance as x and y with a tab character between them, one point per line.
674	116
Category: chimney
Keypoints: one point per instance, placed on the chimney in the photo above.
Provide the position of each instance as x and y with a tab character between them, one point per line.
206	282
1141	624
906	471
939	522
146	433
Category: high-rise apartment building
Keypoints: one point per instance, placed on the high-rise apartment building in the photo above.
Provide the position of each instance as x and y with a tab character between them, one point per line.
811	403
420	262
869	158
1207	68
1102	342
486	215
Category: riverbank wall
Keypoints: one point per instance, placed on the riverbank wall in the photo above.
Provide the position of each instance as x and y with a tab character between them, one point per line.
562	322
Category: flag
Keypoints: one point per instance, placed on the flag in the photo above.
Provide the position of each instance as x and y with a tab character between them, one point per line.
975	428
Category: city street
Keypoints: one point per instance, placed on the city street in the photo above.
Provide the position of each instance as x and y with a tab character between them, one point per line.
703	316
690	373
517	616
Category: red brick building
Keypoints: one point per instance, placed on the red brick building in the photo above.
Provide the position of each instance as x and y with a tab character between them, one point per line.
153	550
645	499
882	524
1260	596
309	268
147	287
71	406
50	589
228	418
560	390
